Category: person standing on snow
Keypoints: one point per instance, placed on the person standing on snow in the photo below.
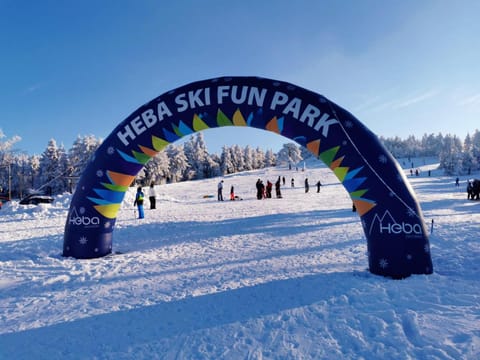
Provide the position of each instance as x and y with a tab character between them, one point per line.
139	202
151	196
220	191
277	188
318	186
268	190
307	187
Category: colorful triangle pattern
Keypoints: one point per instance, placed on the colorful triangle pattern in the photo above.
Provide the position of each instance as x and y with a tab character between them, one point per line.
347	176
109	200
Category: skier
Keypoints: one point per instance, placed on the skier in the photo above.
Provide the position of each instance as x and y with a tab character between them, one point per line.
268	190
151	196
139	202
318	186
220	191
277	188
307	187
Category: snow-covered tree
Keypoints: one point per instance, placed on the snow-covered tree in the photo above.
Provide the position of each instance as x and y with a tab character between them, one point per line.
289	154
270	158
6	160
198	157
476	148
226	161
156	169
259	158
248	158
80	153
178	162
53	169
451	155
238	158
469	161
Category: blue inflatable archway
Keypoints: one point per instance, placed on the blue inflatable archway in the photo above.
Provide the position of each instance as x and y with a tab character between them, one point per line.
397	239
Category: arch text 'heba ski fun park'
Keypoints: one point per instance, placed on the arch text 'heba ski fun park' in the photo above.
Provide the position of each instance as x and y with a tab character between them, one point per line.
397	239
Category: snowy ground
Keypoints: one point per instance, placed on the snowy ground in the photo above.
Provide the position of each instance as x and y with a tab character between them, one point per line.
272	279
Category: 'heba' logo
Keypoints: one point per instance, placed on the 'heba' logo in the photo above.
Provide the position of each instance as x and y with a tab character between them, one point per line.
388	225
78	220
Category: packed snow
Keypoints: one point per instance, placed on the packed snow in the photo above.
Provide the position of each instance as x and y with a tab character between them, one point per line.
247	279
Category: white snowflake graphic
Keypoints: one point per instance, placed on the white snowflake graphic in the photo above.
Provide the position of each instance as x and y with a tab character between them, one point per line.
409	257
107	224
96	249
383	159
83	240
110	150
82	210
411	212
99	173
344	142
383	263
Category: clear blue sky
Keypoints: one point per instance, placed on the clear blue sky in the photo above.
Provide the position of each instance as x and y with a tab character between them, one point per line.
71	68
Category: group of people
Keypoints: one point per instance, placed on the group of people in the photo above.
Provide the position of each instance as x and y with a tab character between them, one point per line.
139	198
307	185
265	191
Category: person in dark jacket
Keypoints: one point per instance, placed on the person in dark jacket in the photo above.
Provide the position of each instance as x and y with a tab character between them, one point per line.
260	189
139	202
307	187
277	188
318	186
268	190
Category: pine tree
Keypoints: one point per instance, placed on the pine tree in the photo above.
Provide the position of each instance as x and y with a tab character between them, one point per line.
289	154
53	169
270	158
178	162
226	161
80	153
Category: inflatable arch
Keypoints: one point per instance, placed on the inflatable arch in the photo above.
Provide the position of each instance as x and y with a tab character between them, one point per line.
397	239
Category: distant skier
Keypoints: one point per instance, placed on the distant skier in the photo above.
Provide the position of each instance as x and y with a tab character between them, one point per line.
139	202
268	190
220	191
307	187
152	196
260	189
277	188
318	186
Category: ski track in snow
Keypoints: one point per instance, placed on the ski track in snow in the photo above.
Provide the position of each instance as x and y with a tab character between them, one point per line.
272	279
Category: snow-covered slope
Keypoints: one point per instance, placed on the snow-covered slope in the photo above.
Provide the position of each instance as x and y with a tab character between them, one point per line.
270	279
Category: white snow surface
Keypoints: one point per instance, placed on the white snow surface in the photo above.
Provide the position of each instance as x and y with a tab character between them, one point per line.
247	279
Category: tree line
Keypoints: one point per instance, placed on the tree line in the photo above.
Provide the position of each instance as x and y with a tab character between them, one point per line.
456	157
56	170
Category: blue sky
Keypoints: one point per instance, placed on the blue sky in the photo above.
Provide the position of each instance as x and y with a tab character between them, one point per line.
71	68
